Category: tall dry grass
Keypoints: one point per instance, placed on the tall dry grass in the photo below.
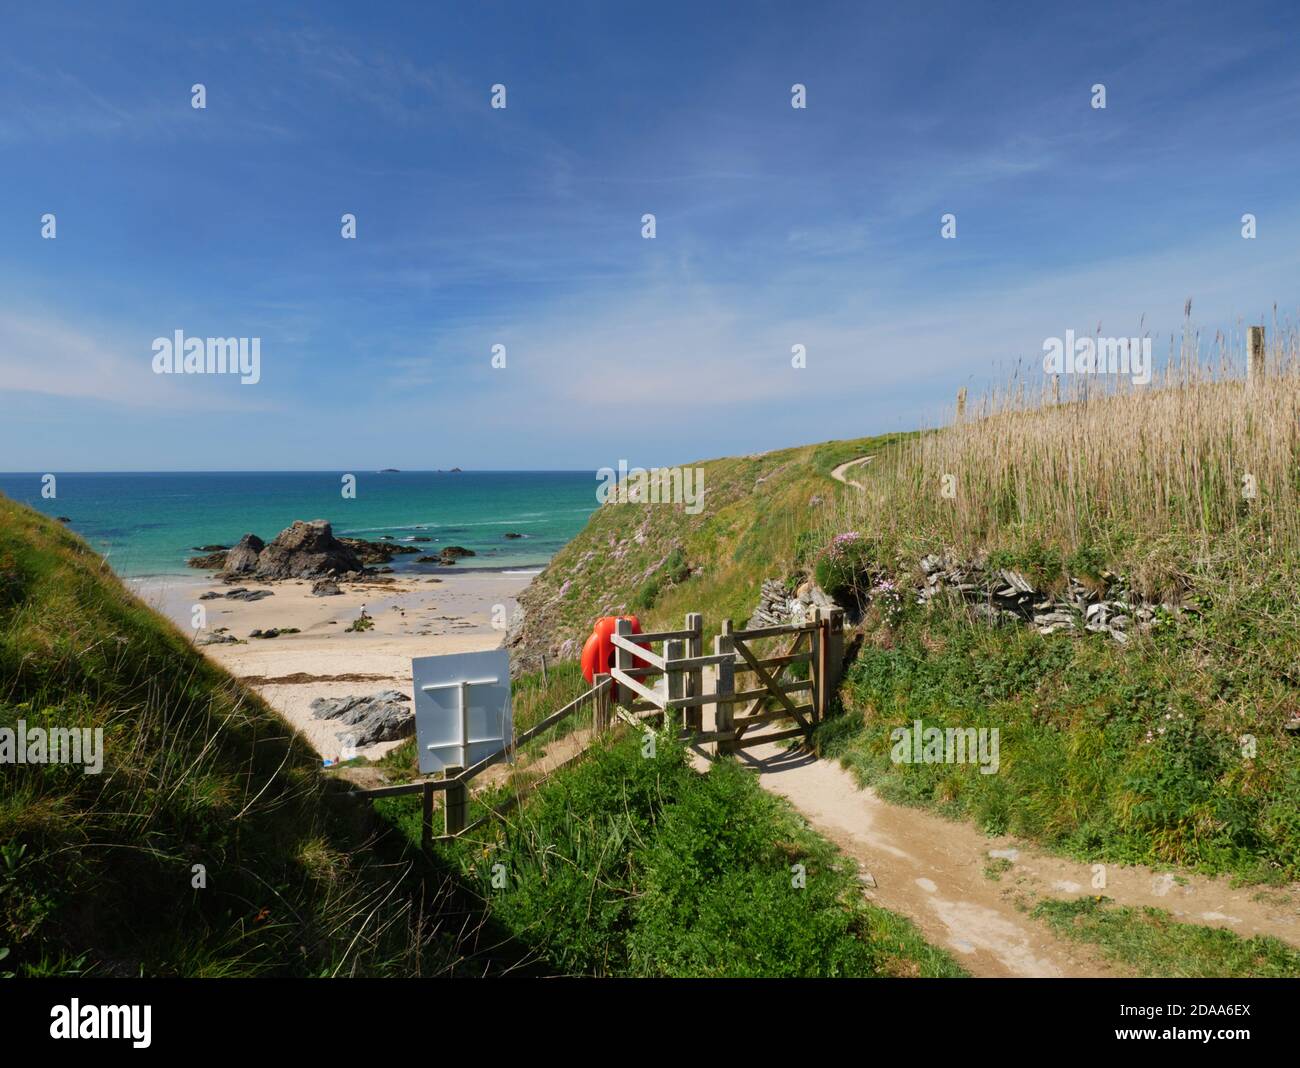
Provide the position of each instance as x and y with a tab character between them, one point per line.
1195	469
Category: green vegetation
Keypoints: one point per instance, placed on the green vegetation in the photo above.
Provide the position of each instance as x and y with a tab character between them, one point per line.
1153	944
672	571
1107	753
98	872
760	513
635	865
996	868
1175	748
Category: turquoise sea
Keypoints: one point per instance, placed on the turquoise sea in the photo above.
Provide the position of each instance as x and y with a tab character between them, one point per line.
150	523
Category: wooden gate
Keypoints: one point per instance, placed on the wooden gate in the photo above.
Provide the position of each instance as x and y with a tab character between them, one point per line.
629	693
769	697
766	694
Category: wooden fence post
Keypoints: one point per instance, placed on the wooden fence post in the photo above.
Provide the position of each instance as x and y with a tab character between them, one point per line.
675	678
724	688
622	658
603	701
455	803
1255	361
834	654
694	716
817	664
426	817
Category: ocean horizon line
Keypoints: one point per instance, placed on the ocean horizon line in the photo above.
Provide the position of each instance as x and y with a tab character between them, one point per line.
318	471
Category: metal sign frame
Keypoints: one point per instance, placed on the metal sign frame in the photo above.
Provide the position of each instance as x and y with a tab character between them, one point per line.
475	722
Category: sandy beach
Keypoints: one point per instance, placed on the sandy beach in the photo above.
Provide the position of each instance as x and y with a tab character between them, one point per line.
418	615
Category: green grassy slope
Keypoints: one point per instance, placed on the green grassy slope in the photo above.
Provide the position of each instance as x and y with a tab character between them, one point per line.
1107	753
97	872
659	562
1173	749
630	863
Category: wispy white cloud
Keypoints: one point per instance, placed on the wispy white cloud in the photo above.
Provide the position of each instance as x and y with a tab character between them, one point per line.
41	354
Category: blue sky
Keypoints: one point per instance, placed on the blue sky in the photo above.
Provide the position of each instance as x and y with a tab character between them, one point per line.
522	226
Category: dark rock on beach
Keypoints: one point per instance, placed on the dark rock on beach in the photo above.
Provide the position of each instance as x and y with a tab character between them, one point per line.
376	552
242	559
272	632
304	550
380	717
242	594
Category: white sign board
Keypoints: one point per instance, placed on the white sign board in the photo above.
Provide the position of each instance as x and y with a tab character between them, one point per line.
462	708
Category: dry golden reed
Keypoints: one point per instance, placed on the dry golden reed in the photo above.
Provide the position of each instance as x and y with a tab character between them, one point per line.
1197	467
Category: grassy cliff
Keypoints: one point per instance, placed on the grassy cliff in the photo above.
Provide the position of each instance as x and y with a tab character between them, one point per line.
1179	746
207	844
659	562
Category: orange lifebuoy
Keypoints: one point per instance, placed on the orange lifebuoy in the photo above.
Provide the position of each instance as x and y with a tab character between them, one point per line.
598	650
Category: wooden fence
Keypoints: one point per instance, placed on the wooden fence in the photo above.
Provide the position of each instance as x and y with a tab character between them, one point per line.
814	649
455	781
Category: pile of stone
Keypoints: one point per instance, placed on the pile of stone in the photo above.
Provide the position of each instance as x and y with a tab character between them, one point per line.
381	717
1108	607
776	606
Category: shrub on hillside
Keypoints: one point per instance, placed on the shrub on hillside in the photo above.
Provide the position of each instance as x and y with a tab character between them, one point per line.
671	572
1106	754
847	567
635	865
11	582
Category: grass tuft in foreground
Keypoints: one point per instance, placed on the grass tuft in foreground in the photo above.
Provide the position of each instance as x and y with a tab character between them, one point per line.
209	844
1153	944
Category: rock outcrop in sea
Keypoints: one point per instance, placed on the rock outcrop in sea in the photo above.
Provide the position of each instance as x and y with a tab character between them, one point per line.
303	550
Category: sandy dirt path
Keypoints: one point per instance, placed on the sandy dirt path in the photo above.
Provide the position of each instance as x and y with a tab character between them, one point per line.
840	473
933	870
